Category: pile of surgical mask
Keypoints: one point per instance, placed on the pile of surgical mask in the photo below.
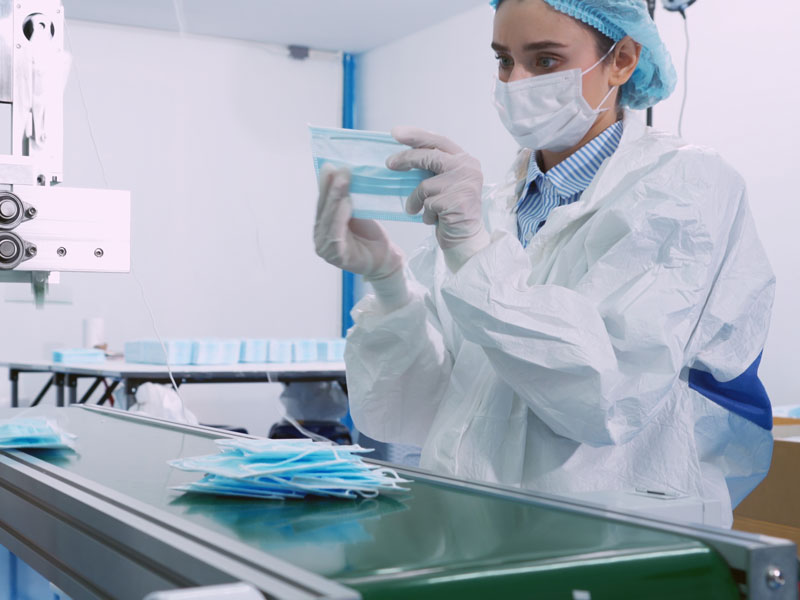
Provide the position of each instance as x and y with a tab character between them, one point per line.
36	432
376	191
76	356
278	469
232	351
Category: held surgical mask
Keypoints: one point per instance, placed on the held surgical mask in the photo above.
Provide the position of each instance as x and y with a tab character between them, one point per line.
548	112
376	191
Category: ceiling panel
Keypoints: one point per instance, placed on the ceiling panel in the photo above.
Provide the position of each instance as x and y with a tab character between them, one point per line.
348	25
156	14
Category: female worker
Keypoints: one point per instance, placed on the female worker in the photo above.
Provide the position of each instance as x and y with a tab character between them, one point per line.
593	323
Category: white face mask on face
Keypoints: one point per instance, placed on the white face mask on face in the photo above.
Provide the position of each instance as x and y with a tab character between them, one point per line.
548	112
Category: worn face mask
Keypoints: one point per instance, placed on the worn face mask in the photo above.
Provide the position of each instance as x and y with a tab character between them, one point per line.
548	112
376	191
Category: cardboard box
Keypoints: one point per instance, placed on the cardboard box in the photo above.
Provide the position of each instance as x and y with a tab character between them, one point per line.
773	508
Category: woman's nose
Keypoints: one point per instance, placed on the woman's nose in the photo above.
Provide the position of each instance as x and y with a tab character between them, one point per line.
519	73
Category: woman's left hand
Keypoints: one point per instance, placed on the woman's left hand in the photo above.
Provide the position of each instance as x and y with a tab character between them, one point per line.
451	199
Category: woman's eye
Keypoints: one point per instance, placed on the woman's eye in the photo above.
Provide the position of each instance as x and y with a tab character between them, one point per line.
505	61
546	62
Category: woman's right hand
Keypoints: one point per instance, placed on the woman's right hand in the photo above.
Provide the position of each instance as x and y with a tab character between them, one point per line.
356	245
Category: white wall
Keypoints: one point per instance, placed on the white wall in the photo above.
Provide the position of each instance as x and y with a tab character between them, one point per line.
439	79
744	93
210	136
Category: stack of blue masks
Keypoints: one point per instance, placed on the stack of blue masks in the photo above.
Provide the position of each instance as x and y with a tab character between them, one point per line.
36	432
278	469
78	355
376	191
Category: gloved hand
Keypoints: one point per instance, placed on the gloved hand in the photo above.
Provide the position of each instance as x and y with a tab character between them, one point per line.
356	245
451	199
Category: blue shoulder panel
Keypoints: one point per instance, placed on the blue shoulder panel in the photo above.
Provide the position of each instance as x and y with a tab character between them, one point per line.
744	396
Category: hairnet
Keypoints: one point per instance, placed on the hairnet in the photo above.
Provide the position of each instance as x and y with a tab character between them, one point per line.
654	78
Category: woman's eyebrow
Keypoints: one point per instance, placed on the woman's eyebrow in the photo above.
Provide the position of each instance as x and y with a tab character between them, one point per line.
531	46
543	45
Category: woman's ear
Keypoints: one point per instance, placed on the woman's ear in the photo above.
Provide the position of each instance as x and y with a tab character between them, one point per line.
625	59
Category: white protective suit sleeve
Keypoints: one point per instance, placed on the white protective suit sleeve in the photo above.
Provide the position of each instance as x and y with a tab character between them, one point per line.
596	359
398	368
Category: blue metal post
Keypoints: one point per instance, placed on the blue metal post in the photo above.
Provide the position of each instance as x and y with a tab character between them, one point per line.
348	122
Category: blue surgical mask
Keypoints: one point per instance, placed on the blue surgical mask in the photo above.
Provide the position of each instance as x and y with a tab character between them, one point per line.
223	486
36	432
376	191
250	460
288	469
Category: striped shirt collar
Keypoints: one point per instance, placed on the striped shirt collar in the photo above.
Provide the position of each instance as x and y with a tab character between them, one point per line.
574	174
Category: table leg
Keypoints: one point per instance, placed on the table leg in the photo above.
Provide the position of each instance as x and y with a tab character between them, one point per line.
128	399
108	394
85	398
72	389
59	377
13	375
12	574
43	391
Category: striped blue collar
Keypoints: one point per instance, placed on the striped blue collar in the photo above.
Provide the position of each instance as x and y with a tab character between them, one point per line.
574	174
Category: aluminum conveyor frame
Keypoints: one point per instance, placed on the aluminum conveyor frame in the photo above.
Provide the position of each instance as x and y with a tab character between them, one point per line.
93	542
766	568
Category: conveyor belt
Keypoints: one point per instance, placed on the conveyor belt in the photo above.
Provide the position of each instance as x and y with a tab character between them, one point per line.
103	522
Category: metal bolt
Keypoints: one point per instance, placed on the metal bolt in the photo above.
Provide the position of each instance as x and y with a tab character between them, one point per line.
61	251
41	180
775	578
99	253
8	210
31	212
19	46
31	251
8	250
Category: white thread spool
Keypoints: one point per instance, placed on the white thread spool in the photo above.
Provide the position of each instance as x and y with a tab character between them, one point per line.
94	332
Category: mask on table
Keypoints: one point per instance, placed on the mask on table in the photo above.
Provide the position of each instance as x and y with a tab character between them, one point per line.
36	432
254	458
548	112
288	469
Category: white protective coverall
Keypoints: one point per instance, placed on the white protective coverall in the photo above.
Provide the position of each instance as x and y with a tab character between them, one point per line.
565	367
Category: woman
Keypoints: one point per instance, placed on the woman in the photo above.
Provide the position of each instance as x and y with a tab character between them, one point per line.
595	322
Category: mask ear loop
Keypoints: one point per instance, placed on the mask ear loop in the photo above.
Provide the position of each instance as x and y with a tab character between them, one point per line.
602	58
309	434
610	91
603	101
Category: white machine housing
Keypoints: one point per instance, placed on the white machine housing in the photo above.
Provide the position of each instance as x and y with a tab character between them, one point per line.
44	226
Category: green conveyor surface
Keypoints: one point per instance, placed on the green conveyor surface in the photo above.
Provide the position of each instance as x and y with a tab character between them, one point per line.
437	541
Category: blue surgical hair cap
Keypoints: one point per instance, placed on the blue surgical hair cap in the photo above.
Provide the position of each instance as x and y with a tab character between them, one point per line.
654	78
